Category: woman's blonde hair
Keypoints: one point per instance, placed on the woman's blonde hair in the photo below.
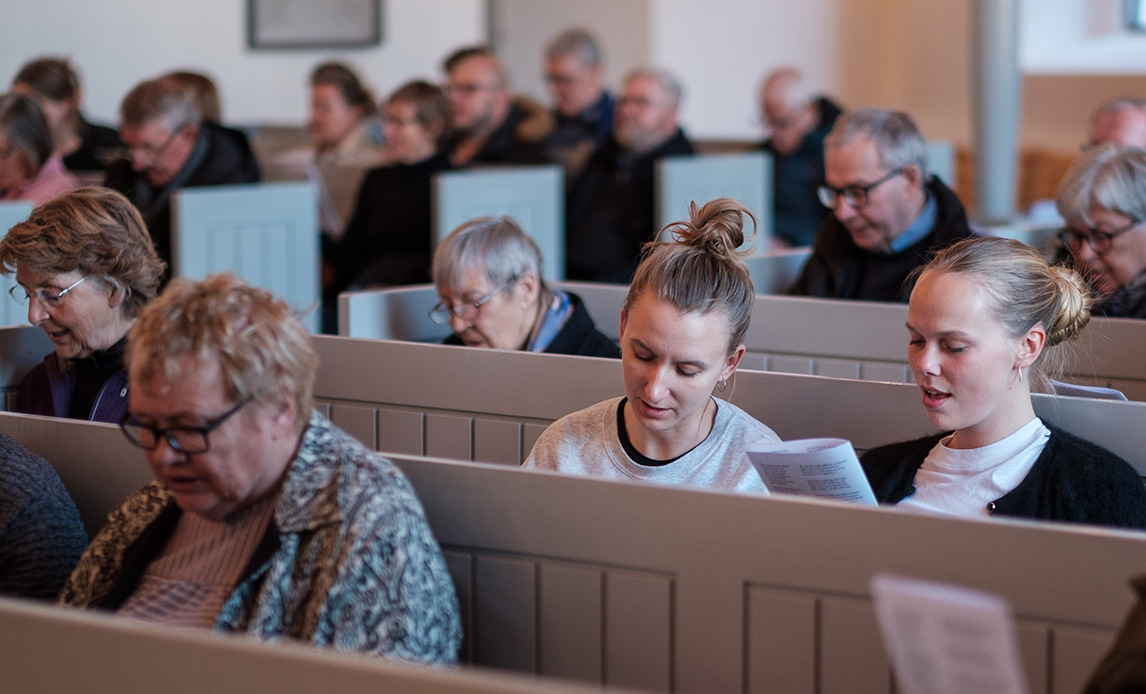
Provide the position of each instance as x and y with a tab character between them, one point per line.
1024	290
702	268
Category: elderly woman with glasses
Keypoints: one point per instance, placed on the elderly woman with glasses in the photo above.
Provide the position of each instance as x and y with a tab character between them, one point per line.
488	274
85	267
1103	200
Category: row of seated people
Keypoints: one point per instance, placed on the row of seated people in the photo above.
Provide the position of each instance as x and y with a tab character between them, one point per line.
252	492
887	211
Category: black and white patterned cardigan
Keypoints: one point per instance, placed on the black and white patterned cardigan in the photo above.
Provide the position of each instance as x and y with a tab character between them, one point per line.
349	561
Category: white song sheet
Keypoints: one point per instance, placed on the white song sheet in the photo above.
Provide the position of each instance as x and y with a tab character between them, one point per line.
823	468
945	639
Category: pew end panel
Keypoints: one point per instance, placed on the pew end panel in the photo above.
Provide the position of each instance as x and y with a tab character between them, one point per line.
743	176
11	214
23	347
266	233
534	196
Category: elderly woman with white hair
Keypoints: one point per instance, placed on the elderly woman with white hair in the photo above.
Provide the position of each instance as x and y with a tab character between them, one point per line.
1103	200
488	274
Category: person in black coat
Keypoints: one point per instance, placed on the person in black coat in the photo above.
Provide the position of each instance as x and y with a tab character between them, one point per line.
983	317
171	147
489	276
888	214
610	211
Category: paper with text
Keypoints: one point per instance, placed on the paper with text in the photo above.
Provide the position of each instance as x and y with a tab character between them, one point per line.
945	639
823	468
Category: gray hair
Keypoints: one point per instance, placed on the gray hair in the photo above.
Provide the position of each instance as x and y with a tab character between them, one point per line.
1125	103
662	77
164	99
578	42
497	245
1109	176
895	134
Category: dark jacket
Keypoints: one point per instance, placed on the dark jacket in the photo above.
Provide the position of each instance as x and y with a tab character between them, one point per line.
98	146
47	391
797	210
220	157
519	138
838	269
1072	480
41	534
389	240
611	211
575	138
1128	301
579	336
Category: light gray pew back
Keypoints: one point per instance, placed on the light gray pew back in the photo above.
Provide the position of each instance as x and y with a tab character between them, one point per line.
47	649
265	233
11	214
490	406
22	347
534	196
743	176
672	589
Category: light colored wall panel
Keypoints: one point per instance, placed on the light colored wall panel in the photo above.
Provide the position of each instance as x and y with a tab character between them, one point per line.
497	442
638	631
892	373
791	364
505	609
1076	653
836	368
449	437
849	646
1034	649
359	422
569	610
400	431
780	641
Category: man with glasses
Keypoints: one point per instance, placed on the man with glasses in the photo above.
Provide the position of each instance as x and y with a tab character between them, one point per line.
264	518
888	214
169	147
582	109
488	125
798	120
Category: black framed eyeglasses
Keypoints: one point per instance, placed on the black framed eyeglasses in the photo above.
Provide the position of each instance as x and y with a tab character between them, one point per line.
854	195
1099	241
182	439
21	295
440	313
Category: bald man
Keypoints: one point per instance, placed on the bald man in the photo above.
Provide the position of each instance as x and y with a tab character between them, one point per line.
1121	121
798	120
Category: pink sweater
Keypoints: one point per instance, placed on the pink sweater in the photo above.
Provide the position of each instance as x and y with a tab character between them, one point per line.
52	180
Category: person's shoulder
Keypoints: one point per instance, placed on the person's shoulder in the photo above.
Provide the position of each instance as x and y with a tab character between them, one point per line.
573	432
735	421
229	158
1087	459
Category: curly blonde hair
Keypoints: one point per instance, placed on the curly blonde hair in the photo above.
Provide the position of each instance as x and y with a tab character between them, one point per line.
263	351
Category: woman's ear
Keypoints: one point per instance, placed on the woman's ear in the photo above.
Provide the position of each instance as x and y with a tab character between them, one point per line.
528	288
117	296
732	362
1031	346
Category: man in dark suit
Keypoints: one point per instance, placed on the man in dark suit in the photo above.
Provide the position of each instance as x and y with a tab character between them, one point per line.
170	147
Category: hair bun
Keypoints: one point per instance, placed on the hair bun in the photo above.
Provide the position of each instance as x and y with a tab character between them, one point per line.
717	227
1073	306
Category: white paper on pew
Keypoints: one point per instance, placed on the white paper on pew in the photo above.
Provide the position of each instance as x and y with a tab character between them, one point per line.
945	639
823	468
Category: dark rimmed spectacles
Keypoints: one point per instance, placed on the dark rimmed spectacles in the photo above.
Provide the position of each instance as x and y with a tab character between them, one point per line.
441	312
22	296
1099	241
853	195
182	439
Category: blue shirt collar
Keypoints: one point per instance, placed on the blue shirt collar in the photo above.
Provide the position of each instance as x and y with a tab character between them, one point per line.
919	229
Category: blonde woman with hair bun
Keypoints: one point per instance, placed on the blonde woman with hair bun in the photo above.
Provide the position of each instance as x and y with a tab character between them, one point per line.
986	320
682	336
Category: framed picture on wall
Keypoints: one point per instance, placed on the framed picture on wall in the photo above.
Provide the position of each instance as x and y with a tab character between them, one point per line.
273	24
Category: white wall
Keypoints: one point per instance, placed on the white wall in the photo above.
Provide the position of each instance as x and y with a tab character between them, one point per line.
117	43
1079	37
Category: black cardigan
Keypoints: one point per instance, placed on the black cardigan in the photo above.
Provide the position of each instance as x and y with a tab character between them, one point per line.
1072	480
